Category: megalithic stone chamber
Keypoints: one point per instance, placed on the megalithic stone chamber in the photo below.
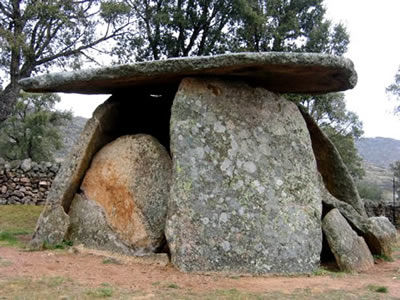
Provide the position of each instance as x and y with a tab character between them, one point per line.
245	191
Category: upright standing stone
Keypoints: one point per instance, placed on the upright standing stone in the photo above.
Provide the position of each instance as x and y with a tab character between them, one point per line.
336	177
245	192
66	183
350	250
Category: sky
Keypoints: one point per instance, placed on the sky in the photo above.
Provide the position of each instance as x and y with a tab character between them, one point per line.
374	48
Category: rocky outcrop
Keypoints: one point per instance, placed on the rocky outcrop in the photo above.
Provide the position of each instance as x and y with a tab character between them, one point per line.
129	180
335	175
26	182
378	235
245	190
350	250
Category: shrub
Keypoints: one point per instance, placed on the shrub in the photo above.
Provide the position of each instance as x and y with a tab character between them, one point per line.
369	190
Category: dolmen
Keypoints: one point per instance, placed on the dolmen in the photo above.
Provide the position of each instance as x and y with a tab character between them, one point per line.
204	157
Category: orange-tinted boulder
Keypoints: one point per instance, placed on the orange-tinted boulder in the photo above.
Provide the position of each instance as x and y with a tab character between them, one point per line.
129	180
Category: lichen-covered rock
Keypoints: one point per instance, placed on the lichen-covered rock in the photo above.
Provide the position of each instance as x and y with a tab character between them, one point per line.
350	250
245	193
335	175
66	183
88	225
26	164
379	234
116	117
385	235
93	137
129	179
52	228
278	72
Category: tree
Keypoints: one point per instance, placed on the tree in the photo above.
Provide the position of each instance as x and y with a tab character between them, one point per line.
345	144
395	167
174	28
394	89
281	25
32	131
37	34
369	191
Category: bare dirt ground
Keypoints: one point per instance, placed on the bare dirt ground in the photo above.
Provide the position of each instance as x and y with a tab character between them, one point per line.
151	281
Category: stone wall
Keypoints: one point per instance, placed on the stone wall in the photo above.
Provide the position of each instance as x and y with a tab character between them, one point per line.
384	209
26	182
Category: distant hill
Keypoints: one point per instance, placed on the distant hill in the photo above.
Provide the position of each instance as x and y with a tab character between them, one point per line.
379	151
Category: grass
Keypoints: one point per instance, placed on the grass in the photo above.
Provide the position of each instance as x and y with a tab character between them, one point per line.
110	260
322	271
61	246
378	289
232	294
17	221
52	282
172	286
104	291
19	217
8	237
383	257
5	262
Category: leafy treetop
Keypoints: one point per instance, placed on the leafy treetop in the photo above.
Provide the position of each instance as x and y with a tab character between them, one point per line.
174	28
32	131
394	89
37	34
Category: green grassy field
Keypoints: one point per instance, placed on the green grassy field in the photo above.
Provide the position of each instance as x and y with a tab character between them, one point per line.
17	223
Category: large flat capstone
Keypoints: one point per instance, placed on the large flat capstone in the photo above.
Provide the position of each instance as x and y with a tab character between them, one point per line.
275	71
245	194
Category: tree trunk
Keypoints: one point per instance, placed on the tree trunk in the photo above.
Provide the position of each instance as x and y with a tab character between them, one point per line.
8	99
